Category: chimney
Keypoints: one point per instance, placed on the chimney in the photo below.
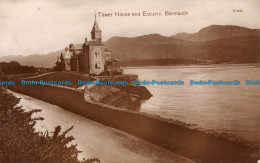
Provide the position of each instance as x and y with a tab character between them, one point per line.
86	40
71	47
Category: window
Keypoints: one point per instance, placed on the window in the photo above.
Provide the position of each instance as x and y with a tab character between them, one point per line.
97	54
97	66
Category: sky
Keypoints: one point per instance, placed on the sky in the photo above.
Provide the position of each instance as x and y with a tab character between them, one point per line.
43	26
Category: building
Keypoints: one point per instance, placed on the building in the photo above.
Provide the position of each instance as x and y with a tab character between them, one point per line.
92	57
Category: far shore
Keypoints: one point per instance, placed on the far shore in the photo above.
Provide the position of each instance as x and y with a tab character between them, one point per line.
193	65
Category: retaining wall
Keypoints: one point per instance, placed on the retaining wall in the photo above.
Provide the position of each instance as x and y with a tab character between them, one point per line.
194	144
127	77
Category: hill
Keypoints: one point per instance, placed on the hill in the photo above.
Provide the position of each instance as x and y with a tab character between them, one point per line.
240	49
183	36
36	60
213	44
215	32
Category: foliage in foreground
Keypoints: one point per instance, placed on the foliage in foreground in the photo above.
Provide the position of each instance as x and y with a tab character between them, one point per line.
20	142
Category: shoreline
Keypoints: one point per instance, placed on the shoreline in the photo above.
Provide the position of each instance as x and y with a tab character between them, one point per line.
256	65
97	140
172	135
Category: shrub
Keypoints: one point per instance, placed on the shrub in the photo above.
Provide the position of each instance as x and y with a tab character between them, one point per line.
14	67
20	142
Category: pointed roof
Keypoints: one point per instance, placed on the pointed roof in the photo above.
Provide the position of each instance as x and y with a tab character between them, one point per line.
95	26
65	54
61	56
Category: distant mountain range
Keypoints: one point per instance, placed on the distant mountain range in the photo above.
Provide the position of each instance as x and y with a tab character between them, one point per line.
36	60
215	32
213	44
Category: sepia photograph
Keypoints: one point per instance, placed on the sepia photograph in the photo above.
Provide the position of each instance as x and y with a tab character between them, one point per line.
140	81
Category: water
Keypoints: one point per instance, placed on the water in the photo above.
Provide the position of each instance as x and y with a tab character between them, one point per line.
96	140
231	109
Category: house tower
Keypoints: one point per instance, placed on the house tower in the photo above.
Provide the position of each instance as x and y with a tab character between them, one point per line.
96	33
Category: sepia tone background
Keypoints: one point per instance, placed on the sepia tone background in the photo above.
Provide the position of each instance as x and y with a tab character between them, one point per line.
217	40
40	27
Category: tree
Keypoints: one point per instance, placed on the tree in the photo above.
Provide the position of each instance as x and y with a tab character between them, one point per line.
20	142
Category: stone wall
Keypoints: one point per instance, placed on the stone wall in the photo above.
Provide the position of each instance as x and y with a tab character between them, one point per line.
126	77
177	137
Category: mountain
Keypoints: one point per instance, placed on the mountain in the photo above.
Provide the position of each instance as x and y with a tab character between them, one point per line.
183	36
213	44
215	32
36	60
143	47
239	49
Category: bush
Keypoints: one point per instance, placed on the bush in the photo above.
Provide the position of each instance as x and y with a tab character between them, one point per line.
14	67
20	142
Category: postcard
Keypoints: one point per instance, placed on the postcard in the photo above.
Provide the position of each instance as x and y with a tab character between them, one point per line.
130	81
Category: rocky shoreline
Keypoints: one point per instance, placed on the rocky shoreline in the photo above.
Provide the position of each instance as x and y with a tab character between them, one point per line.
124	96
